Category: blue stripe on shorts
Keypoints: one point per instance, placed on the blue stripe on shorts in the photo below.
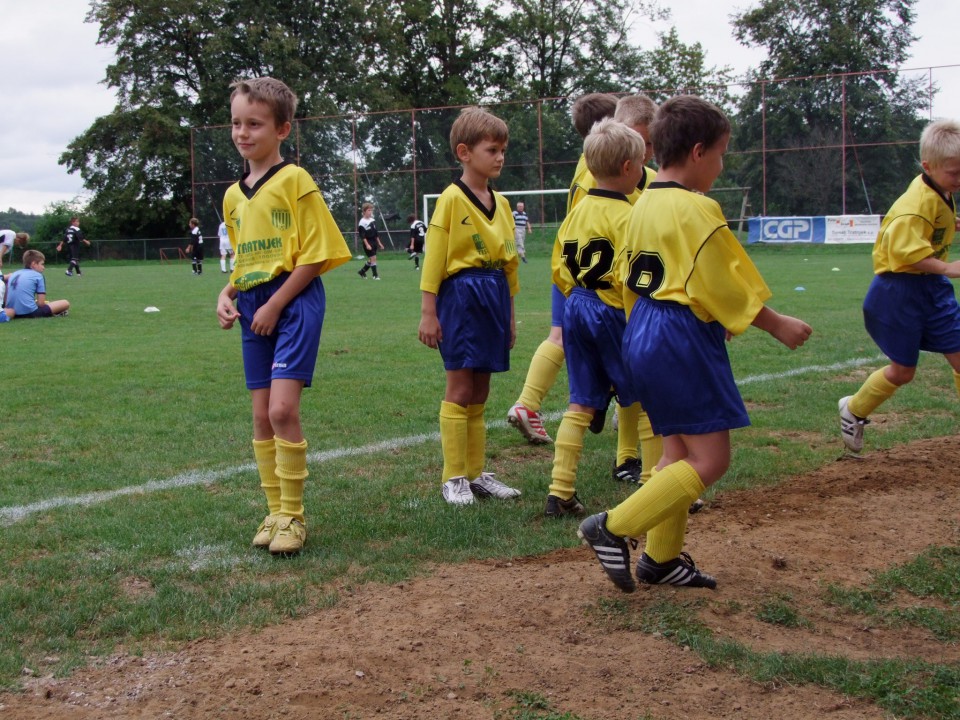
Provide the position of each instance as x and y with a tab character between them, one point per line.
679	370
290	353
473	308
906	313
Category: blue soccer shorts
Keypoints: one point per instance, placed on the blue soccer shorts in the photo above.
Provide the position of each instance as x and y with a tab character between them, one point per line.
473	307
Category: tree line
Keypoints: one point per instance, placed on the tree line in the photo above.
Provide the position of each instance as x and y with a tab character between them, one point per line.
174	61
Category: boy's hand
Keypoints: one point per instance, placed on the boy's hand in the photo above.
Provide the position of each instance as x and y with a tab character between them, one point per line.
430	333
953	269
792	332
226	311
265	319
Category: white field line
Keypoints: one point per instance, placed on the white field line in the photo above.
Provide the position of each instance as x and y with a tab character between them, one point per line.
15	513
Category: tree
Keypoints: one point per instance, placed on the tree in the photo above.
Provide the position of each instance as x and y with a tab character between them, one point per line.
810	108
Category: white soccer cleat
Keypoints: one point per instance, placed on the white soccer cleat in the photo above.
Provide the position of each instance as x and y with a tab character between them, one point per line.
851	426
488	486
456	491
529	423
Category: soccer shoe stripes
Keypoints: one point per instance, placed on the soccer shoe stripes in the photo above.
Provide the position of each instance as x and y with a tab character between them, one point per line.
628	471
529	423
556	507
611	551
456	491
680	571
487	486
265	532
851	426
289	537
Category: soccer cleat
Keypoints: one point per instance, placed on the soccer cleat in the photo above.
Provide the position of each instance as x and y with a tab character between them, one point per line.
680	571
628	471
599	418
289	536
611	551
68	273
456	491
362	274
265	532
851	426
557	507
529	423
487	486
695	507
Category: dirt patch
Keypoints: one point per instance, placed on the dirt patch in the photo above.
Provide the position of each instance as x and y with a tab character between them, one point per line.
455	645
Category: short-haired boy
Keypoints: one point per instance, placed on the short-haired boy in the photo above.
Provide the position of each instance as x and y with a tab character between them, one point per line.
284	238
370	237
583	269
27	290
548	358
226	249
468	282
418	233
687	284
9	238
73	236
911	305
196	246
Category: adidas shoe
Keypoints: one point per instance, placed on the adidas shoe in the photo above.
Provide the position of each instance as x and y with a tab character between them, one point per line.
487	486
680	571
557	507
851	426
529	423
611	551
456	491
289	536
628	471
265	532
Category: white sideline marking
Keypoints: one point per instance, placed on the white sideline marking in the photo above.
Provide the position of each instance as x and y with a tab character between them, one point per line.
15	513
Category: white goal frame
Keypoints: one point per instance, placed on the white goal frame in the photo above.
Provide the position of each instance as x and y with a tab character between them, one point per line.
434	196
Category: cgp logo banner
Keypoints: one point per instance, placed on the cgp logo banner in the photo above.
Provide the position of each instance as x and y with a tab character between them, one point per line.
787	229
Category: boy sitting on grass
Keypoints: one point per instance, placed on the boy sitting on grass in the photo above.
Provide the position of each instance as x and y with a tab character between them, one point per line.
27	291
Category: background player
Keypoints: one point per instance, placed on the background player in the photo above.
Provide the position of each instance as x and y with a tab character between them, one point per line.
367	232
548	358
911	305
226	249
687	284
73	236
280	300
196	246
521	226
9	238
27	290
418	233
467	287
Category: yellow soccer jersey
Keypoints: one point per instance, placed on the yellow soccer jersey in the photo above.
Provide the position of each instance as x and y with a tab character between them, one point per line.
649	176
583	181
463	234
679	249
587	244
920	224
280	223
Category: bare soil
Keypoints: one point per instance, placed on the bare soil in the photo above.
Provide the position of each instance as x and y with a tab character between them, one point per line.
458	643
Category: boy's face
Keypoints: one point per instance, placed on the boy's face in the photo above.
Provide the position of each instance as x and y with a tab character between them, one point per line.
255	131
38	265
368	212
946	175
707	164
485	158
644	132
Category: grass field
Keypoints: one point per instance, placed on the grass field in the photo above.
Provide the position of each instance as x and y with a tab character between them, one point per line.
127	462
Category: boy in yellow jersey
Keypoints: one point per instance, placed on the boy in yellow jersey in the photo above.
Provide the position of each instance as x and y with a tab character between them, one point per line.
284	238
687	285
468	281
593	321
548	359
911	305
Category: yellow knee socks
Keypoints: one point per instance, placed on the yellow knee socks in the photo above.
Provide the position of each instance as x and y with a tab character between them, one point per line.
265	453
566	453
651	446
665	541
871	394
476	449
670	490
542	374
453	440
628	433
292	473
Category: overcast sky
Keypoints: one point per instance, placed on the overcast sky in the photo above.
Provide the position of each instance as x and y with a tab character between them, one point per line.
52	75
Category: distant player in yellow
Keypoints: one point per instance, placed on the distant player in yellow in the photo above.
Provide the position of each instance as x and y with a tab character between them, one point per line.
468	281
687	284
911	305
548	358
593	323
284	238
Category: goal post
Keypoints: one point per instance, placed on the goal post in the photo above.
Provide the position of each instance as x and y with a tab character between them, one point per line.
543	215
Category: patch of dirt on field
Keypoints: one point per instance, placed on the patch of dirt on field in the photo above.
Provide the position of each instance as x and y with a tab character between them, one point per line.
457	644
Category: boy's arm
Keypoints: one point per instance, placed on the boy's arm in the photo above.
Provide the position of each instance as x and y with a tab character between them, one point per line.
41	299
792	332
265	319
430	332
933	266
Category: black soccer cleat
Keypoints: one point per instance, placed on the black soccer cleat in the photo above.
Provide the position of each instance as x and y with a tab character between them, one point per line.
628	471
557	507
680	571
611	551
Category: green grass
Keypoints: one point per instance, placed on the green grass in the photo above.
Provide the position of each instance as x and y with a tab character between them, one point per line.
112	399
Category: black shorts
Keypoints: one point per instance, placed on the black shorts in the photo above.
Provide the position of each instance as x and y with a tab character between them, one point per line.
44	311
